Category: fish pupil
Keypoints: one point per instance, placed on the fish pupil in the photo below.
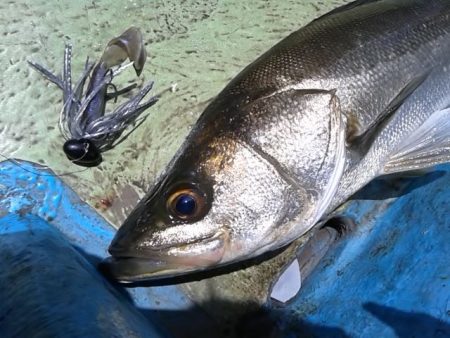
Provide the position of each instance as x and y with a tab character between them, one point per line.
185	205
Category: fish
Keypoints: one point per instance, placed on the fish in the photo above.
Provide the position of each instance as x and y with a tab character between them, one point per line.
361	92
87	129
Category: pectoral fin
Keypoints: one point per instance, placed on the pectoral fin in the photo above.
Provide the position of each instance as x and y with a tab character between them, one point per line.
429	145
288	284
350	6
362	142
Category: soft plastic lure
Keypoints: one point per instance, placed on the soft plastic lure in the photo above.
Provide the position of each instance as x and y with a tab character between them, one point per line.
85	126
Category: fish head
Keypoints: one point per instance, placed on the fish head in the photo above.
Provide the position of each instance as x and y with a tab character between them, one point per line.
220	201
196	219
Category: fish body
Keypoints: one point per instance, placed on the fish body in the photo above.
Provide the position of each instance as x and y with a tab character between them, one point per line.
360	92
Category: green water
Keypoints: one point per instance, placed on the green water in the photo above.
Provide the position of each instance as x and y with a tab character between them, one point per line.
199	45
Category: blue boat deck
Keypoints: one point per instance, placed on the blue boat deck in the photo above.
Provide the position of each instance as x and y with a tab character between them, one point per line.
387	278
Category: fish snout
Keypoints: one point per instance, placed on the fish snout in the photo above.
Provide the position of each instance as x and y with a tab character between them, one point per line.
132	264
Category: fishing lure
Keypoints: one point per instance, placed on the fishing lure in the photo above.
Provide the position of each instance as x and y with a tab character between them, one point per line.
88	131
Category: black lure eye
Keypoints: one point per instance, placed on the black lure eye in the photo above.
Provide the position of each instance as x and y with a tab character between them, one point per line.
82	152
186	204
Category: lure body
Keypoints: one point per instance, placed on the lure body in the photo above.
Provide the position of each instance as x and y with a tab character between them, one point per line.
88	130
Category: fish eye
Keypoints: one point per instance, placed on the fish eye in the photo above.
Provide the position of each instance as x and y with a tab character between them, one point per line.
186	204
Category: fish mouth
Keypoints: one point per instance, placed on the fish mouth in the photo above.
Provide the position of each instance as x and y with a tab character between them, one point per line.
153	264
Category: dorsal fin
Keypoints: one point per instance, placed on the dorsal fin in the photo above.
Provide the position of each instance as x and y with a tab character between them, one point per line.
347	7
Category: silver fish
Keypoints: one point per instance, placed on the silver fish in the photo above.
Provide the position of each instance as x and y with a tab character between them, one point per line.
361	92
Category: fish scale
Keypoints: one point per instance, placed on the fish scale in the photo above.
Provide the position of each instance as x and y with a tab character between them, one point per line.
345	51
432	96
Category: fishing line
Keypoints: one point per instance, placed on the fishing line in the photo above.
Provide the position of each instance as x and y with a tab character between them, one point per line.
18	164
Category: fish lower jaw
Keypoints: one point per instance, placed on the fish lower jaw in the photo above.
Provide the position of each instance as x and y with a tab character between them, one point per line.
175	261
